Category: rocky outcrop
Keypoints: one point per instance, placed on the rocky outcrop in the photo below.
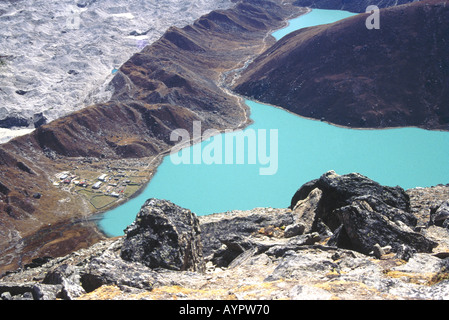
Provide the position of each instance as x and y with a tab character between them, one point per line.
439	214
372	254
360	219
349	75
222	234
14	120
340	190
166	236
353	206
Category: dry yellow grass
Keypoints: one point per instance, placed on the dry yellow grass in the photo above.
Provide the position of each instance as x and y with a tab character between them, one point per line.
102	293
417	278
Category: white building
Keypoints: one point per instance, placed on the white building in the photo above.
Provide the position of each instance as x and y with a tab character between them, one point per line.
97	185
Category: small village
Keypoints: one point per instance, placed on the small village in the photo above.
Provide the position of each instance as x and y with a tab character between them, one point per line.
101	189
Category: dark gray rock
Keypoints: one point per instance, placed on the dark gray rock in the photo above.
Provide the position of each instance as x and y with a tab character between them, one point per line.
14	120
439	215
366	227
361	213
294	230
405	252
109	269
445	224
39	119
68	276
217	229
38	262
29	291
242	258
37	195
233	246
46	291
340	190
340	239
15	289
164	235
25	296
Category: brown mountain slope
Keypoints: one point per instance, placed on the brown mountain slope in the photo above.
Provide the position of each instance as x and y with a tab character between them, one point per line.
168	85
348	75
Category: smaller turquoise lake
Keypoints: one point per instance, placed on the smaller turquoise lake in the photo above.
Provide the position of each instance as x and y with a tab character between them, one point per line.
305	149
313	18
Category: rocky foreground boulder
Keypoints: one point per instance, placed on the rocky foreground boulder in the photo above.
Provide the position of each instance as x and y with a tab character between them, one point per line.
361	214
164	235
344	237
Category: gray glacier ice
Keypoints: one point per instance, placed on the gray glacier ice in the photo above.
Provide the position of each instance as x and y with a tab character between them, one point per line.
60	55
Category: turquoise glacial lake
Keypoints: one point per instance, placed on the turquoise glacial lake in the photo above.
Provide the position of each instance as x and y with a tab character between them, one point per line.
313	18
301	150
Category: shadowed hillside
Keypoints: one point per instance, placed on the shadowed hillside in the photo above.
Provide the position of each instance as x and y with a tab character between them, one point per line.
348	75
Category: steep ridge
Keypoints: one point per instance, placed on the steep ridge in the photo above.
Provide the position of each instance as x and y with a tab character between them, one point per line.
166	86
349	75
